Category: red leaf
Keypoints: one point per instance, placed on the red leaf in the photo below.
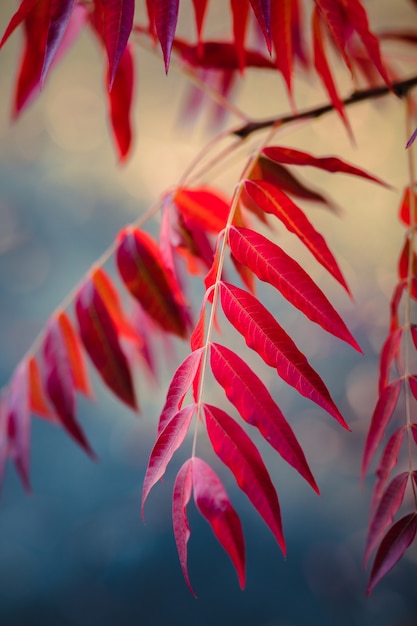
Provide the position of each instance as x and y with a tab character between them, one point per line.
333	13
233	446
120	100
412	381
38	402
389	353
168	441
382	414
213	503
395	303
145	275
219	55
384	515
113	304
100	338
180	384
271	264
197	336
240	14
17	416
388	461
271	200
263	334
60	19
74	354
166	16
59	382
21	14
117	25
290	156
180	498
399	537
324	72
262	10
281	33
405	208
203	207
252	399
200	8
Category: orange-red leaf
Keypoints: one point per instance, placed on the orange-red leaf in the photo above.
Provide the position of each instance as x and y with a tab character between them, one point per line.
120	102
38	401
74	354
100	339
142	268
203	207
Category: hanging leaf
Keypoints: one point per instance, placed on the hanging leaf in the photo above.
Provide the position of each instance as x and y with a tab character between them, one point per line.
120	101
60	19
282	34
117	16
74	353
248	394
17	422
214	505
399	537
389	460
168	441
271	200
38	402
262	10
263	334
203	207
166	15
382	414
59	382
240	14
233	446
18	18
271	264
100	339
200	9
145	275
180	498
389	353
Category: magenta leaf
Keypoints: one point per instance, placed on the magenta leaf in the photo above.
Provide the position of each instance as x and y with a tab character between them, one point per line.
248	394
180	498
214	505
166	16
168	441
60	18
389	353
271	264
399	537
235	448
384	514
17	422
117	26
262	10
389	460
382	414
180	384
263	334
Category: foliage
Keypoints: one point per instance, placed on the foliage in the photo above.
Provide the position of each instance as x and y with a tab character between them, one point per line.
202	233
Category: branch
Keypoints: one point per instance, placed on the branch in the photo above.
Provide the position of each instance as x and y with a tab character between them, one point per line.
400	89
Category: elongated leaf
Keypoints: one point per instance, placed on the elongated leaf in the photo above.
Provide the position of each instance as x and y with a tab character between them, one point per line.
120	101
166	16
168	441
399	537
59	382
180	384
384	514
145	275
22	12
389	353
240	14
282	34
271	264
18	422
262	10
213	503
248	394
200	9
203	207
180	498
334	16
271	200
233	446
219	55
389	460
382	414
263	334
290	156
111	299
323	70
38	401
100	339
117	26
60	19
74	354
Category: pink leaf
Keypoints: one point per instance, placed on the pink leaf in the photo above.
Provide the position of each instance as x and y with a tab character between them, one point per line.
252	399
389	460
100	339
18	422
382	414
271	200
263	334
117	26
180	384
389	353
180	498
213	503
168	441
384	514
262	10
271	264
59	382
399	537
166	16
233	446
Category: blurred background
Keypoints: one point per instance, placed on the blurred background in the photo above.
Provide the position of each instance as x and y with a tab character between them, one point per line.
76	552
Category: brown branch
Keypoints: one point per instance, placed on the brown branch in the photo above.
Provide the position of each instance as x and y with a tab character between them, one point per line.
400	89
